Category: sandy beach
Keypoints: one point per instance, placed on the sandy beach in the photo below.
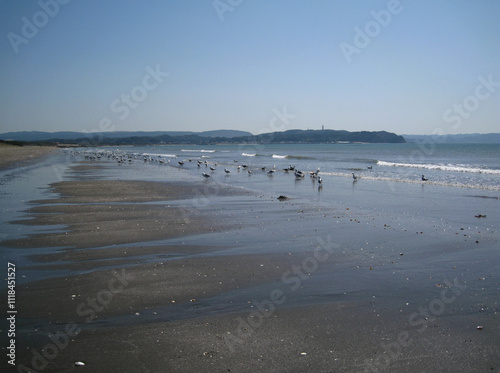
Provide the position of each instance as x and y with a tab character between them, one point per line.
11	155
141	276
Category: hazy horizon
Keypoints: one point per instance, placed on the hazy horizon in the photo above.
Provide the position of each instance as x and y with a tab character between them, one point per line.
400	66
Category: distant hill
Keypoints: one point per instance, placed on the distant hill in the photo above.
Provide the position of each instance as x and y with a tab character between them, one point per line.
290	137
472	138
325	136
203	138
224	133
68	135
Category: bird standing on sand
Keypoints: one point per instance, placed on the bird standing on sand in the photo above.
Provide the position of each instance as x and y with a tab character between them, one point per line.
226	171
320	180
424	178
354	176
205	175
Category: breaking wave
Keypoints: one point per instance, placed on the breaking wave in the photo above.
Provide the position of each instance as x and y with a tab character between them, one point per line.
389	179
453	168
198	150
159	155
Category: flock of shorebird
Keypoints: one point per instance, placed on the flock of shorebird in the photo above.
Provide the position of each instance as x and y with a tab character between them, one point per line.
121	158
298	174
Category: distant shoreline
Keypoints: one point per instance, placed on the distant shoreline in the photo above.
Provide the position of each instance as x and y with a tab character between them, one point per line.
217	138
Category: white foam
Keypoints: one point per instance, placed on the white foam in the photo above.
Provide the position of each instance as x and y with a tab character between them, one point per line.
279	156
369	176
198	150
453	168
160	155
248	155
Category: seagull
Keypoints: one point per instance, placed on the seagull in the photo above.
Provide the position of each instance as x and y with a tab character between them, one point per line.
354	176
205	175
320	180
370	167
314	174
270	172
249	172
181	163
226	171
423	178
299	173
212	168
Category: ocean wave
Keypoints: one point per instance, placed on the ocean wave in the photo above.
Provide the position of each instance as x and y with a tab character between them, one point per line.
160	155
198	150
414	181
276	156
453	168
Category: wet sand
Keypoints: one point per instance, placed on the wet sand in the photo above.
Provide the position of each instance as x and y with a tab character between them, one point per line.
143	280
101	212
14	156
337	337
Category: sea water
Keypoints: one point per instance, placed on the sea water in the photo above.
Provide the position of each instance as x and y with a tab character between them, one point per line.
475	166
462	179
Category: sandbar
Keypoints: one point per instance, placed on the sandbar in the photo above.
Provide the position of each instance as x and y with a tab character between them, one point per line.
14	156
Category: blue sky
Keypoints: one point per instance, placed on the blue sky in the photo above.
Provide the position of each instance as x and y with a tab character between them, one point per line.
418	67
